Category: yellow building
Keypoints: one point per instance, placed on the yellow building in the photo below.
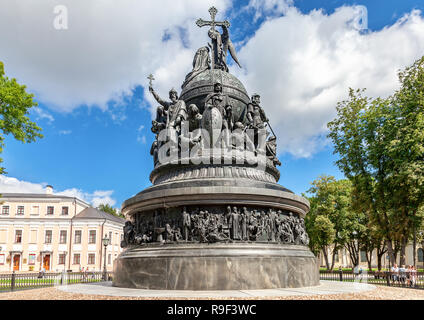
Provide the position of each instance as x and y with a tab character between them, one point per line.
56	233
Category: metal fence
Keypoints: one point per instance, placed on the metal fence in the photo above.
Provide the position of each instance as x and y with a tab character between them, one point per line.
18	281
385	278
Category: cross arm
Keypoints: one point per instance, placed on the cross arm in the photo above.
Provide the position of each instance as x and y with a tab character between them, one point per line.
201	23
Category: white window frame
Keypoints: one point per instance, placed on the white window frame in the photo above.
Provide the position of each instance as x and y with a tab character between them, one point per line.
60	236
17	210
88	260
22	236
75	236
3	209
45	236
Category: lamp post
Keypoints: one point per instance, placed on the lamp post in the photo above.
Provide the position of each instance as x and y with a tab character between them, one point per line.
105	242
65	253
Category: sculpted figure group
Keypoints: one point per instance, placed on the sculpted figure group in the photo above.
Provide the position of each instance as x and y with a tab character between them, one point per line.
235	224
217	115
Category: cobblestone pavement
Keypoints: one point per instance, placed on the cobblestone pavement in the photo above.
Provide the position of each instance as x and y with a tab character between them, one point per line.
380	293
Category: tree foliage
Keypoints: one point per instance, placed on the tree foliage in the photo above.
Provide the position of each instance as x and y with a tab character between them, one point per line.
109	209
332	211
380	143
15	104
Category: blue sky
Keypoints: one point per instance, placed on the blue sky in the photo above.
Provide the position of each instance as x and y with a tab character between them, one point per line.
98	139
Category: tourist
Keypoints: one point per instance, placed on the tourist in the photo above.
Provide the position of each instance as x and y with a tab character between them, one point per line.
408	275
41	273
356	271
395	271
402	274
413	276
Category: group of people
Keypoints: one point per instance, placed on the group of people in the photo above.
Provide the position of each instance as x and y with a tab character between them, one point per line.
404	275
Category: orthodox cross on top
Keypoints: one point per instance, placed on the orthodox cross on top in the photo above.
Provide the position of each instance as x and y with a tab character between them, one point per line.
150	77
201	23
213	11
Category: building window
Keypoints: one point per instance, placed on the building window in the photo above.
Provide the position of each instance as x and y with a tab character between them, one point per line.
64	211
5	210
420	255
18	236
109	259
122	237
62	258
50	210
77	236
363	256
20	211
48	237
110	237
1	259
77	258
92	237
31	259
63	236
91	258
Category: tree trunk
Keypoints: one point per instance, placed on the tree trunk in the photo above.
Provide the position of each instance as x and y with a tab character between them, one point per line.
333	258
390	252
402	260
324	252
396	249
414	248
380	253
353	253
369	259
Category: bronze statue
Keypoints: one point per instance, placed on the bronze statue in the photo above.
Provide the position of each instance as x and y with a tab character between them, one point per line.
176	109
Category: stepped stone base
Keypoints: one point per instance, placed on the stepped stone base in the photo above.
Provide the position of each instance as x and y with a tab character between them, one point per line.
234	266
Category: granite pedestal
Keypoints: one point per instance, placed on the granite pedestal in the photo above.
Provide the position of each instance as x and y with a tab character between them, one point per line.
232	266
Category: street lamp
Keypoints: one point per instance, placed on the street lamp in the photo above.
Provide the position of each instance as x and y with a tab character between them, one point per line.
105	242
65	253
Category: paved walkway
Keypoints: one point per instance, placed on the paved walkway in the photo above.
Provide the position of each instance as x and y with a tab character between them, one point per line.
325	288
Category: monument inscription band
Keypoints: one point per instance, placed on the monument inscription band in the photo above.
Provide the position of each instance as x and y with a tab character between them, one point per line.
215	217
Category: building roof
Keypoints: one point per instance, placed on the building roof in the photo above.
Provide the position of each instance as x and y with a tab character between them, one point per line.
92	213
39	196
33	195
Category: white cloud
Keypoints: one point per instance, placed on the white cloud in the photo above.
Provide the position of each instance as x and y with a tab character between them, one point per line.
95	199
303	64
106	50
13	185
141	138
42	114
65	132
268	7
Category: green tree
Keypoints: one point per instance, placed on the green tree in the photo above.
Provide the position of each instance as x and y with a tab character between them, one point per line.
15	104
109	209
380	143
332	199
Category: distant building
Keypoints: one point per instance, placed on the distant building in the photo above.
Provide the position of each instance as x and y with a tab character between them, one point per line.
56	233
342	258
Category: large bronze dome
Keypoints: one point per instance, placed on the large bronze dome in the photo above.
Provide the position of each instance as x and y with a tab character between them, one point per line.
196	90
